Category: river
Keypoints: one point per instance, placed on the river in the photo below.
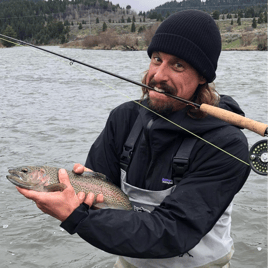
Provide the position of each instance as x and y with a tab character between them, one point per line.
50	113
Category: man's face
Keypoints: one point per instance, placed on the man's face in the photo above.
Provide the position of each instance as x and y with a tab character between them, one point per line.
174	76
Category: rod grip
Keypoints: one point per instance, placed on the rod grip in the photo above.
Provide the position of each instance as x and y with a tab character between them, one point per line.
234	119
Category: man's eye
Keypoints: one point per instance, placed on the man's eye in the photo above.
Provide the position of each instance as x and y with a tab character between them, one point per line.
156	59
178	66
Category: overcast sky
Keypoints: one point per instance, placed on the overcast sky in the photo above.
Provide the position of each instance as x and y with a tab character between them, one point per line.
140	5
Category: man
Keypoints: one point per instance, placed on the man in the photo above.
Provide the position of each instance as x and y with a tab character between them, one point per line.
181	218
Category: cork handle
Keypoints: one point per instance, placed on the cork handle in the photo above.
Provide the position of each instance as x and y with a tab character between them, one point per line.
234	119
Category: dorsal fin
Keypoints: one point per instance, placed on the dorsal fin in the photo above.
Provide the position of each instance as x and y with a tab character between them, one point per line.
95	175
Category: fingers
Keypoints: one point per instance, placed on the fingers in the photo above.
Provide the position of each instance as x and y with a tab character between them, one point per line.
89	200
79	169
100	198
64	177
81	197
29	193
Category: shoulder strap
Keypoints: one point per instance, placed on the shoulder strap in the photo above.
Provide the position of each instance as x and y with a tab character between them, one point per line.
129	145
181	159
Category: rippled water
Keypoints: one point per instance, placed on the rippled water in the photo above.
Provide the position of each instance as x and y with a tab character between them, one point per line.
52	111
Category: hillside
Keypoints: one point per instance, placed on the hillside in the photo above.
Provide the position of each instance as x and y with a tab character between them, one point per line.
119	35
98	24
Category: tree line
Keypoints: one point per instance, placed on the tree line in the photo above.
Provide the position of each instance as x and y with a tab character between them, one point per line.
40	21
247	12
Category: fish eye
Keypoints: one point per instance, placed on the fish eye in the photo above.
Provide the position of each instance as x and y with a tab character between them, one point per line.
25	170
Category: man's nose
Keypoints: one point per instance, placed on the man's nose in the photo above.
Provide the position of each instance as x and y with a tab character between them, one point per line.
161	74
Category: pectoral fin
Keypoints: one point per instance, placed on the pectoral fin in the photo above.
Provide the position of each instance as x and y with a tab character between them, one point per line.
55	187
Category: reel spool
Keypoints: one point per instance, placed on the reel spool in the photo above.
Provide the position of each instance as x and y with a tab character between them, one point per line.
258	157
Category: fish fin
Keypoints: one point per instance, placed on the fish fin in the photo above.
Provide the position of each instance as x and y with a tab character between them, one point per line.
96	175
100	206
55	187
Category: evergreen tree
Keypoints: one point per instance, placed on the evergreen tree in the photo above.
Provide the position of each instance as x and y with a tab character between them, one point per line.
133	27
265	17
261	18
232	22
128	7
104	27
97	20
9	32
141	29
80	27
216	15
254	23
239	21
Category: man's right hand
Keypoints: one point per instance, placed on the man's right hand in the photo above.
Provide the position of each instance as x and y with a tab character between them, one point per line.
80	169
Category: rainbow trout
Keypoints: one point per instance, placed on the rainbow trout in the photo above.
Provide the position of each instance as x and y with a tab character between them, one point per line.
45	179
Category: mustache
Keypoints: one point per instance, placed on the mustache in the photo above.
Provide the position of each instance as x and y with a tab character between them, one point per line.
163	86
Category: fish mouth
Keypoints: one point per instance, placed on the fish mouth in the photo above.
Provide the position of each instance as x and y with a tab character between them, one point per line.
18	179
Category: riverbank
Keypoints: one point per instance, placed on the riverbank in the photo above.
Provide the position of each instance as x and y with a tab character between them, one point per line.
120	37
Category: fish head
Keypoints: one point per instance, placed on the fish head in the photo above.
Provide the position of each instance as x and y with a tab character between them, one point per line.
28	177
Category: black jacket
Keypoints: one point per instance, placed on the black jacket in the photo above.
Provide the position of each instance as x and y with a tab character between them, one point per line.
190	212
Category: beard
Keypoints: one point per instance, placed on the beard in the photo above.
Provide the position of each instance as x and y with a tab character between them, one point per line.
164	107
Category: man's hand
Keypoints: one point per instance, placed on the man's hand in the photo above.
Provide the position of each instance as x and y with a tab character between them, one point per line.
58	204
79	169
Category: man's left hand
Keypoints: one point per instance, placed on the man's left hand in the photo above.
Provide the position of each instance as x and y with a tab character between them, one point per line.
58	204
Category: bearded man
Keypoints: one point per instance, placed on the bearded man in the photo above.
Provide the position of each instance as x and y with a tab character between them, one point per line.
181	187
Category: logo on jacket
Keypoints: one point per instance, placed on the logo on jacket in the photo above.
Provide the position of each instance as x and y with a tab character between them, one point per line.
141	209
167	181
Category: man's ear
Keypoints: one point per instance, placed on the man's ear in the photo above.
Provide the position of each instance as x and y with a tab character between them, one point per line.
202	80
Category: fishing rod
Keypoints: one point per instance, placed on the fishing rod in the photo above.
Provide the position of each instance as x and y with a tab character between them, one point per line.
258	157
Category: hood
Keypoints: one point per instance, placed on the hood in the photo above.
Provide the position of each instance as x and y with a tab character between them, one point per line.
161	131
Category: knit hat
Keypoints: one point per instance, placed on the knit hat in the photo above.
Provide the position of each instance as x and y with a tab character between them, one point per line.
190	35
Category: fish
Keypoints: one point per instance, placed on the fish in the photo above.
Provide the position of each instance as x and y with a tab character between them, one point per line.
45	179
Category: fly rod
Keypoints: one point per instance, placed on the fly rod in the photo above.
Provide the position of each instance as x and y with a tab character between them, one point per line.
227	116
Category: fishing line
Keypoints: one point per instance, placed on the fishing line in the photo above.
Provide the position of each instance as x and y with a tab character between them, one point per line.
137	102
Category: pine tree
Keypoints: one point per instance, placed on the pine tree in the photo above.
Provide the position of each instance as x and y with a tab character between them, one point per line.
133	27
216	15
254	23
104	27
9	32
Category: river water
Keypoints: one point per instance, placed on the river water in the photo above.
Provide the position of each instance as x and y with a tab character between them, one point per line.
50	113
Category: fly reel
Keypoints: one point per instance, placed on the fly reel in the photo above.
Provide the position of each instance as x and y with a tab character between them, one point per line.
258	157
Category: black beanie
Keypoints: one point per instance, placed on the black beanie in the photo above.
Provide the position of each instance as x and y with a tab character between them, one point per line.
193	36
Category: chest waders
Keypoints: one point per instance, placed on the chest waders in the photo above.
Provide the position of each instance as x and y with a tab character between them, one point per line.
214	250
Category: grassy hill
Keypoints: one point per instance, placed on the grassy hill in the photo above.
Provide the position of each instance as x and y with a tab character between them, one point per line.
119	35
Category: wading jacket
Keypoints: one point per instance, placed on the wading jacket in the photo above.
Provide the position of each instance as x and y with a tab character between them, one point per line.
196	204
